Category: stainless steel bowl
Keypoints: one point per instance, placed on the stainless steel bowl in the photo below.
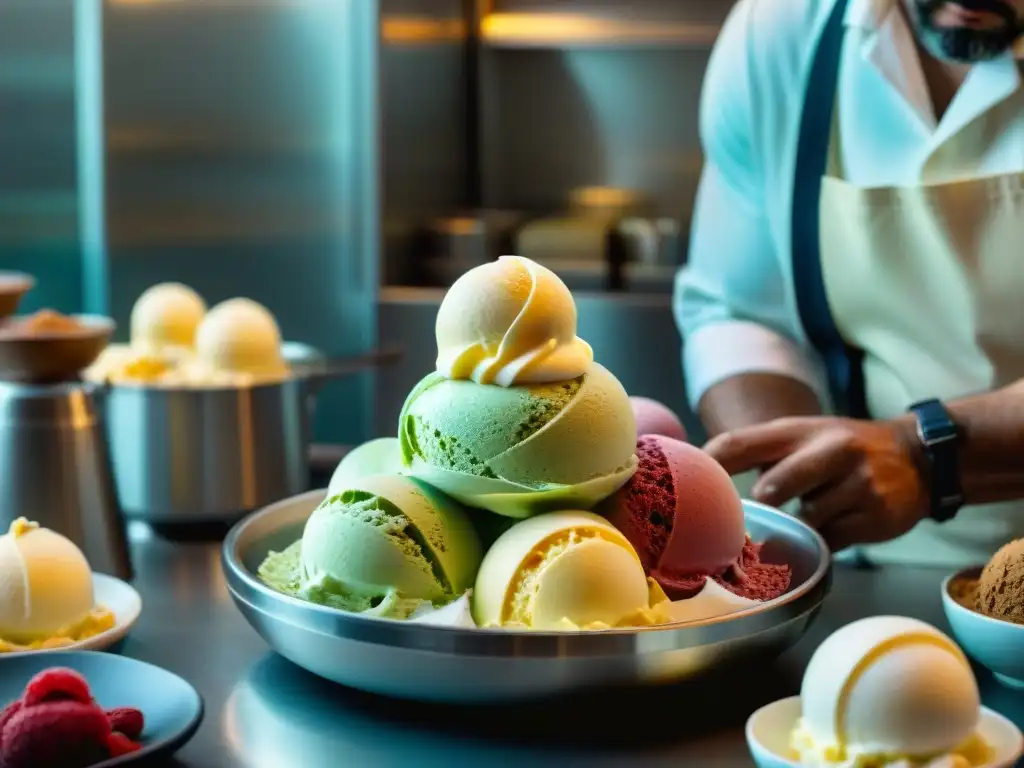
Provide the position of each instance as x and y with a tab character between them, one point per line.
185	455
456	665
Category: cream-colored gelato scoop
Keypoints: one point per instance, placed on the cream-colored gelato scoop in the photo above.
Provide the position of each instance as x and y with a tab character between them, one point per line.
510	322
166	315
887	687
45	583
241	336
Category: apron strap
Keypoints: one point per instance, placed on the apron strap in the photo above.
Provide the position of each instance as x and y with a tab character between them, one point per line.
843	362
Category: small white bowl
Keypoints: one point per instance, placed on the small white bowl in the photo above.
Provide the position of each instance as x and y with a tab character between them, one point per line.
769	727
121	598
996	644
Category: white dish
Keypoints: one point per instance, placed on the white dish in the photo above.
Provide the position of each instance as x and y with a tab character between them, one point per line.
121	598
769	727
994	643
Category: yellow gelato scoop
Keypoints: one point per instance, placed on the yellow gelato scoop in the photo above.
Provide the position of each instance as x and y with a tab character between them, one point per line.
240	336
45	585
564	571
510	322
166	315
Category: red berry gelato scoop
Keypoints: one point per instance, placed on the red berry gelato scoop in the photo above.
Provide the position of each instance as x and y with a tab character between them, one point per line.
57	724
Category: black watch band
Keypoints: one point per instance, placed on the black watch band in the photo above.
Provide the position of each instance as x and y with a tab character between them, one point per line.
941	438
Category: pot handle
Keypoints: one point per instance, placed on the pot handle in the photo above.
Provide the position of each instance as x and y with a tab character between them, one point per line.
319	372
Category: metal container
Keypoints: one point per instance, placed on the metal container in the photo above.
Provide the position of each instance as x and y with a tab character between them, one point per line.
189	455
55	470
414	661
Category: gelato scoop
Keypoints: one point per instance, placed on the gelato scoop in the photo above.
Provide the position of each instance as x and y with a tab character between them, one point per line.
239	336
564	571
887	689
166	315
377	457
520	450
1000	589
46	592
654	418
382	547
683	515
509	322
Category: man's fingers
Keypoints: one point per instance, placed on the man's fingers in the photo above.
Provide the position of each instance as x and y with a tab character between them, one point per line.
850	529
822	461
831	502
754	447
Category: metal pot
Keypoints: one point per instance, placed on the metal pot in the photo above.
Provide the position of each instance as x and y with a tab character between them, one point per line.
211	455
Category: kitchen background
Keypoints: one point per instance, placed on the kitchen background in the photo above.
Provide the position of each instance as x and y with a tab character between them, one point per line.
340	161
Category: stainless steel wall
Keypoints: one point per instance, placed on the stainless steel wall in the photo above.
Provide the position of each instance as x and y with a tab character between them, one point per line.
594	92
38	172
234	145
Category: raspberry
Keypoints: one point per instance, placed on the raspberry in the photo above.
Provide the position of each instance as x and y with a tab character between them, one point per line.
8	712
118	744
55	734
56	683
126	720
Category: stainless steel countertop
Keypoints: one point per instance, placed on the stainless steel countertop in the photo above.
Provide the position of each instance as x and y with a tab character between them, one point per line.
263	712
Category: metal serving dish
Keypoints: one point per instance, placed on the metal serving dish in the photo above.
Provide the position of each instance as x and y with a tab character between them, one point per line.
457	665
187	454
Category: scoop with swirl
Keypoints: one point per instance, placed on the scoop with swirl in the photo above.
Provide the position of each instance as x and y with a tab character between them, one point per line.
518	419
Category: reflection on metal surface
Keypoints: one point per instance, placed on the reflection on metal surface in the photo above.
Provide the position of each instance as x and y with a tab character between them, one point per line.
529	30
398	29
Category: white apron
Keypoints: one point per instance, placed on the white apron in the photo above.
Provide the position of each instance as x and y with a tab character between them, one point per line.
929	282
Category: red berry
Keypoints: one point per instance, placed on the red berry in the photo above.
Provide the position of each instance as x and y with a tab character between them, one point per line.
118	744
8	712
55	734
54	684
126	720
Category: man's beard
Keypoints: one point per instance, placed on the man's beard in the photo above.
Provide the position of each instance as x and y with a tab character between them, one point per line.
964	44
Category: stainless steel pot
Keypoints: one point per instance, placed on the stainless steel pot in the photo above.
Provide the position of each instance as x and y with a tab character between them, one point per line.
211	455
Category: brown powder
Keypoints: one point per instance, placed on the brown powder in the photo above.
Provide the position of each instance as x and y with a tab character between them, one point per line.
45	322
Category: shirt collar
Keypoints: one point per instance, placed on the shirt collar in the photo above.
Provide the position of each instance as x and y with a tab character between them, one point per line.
869	15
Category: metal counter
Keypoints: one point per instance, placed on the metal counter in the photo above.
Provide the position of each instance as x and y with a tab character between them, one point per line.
263	712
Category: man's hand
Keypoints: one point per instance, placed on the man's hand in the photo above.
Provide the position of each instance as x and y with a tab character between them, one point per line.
859	481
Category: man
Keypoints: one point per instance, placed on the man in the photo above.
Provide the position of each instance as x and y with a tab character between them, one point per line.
858	249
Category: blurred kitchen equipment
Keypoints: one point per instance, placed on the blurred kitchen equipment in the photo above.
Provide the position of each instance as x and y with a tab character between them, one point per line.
38	357
584	245
13	286
55	469
456	244
653	241
608	202
190	455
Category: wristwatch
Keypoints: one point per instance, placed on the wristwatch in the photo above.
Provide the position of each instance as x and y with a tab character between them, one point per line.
941	438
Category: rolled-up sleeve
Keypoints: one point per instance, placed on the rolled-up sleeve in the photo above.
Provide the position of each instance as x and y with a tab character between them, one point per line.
731	299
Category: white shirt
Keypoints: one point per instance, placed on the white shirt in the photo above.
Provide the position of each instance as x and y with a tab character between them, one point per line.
734	301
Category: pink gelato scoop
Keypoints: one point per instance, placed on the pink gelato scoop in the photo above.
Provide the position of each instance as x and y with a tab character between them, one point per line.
654	418
684	517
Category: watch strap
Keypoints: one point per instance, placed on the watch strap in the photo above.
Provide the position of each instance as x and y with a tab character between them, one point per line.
941	440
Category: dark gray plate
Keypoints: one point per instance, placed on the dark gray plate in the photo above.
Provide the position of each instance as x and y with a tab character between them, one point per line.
173	709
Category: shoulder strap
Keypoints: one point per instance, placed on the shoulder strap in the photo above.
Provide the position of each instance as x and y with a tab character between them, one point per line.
846	379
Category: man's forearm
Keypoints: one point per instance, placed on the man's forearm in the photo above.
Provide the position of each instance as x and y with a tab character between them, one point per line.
754	398
992	453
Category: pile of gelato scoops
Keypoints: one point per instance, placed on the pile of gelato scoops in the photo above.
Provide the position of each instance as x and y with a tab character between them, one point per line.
57	722
46	591
999	591
177	342
518	492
